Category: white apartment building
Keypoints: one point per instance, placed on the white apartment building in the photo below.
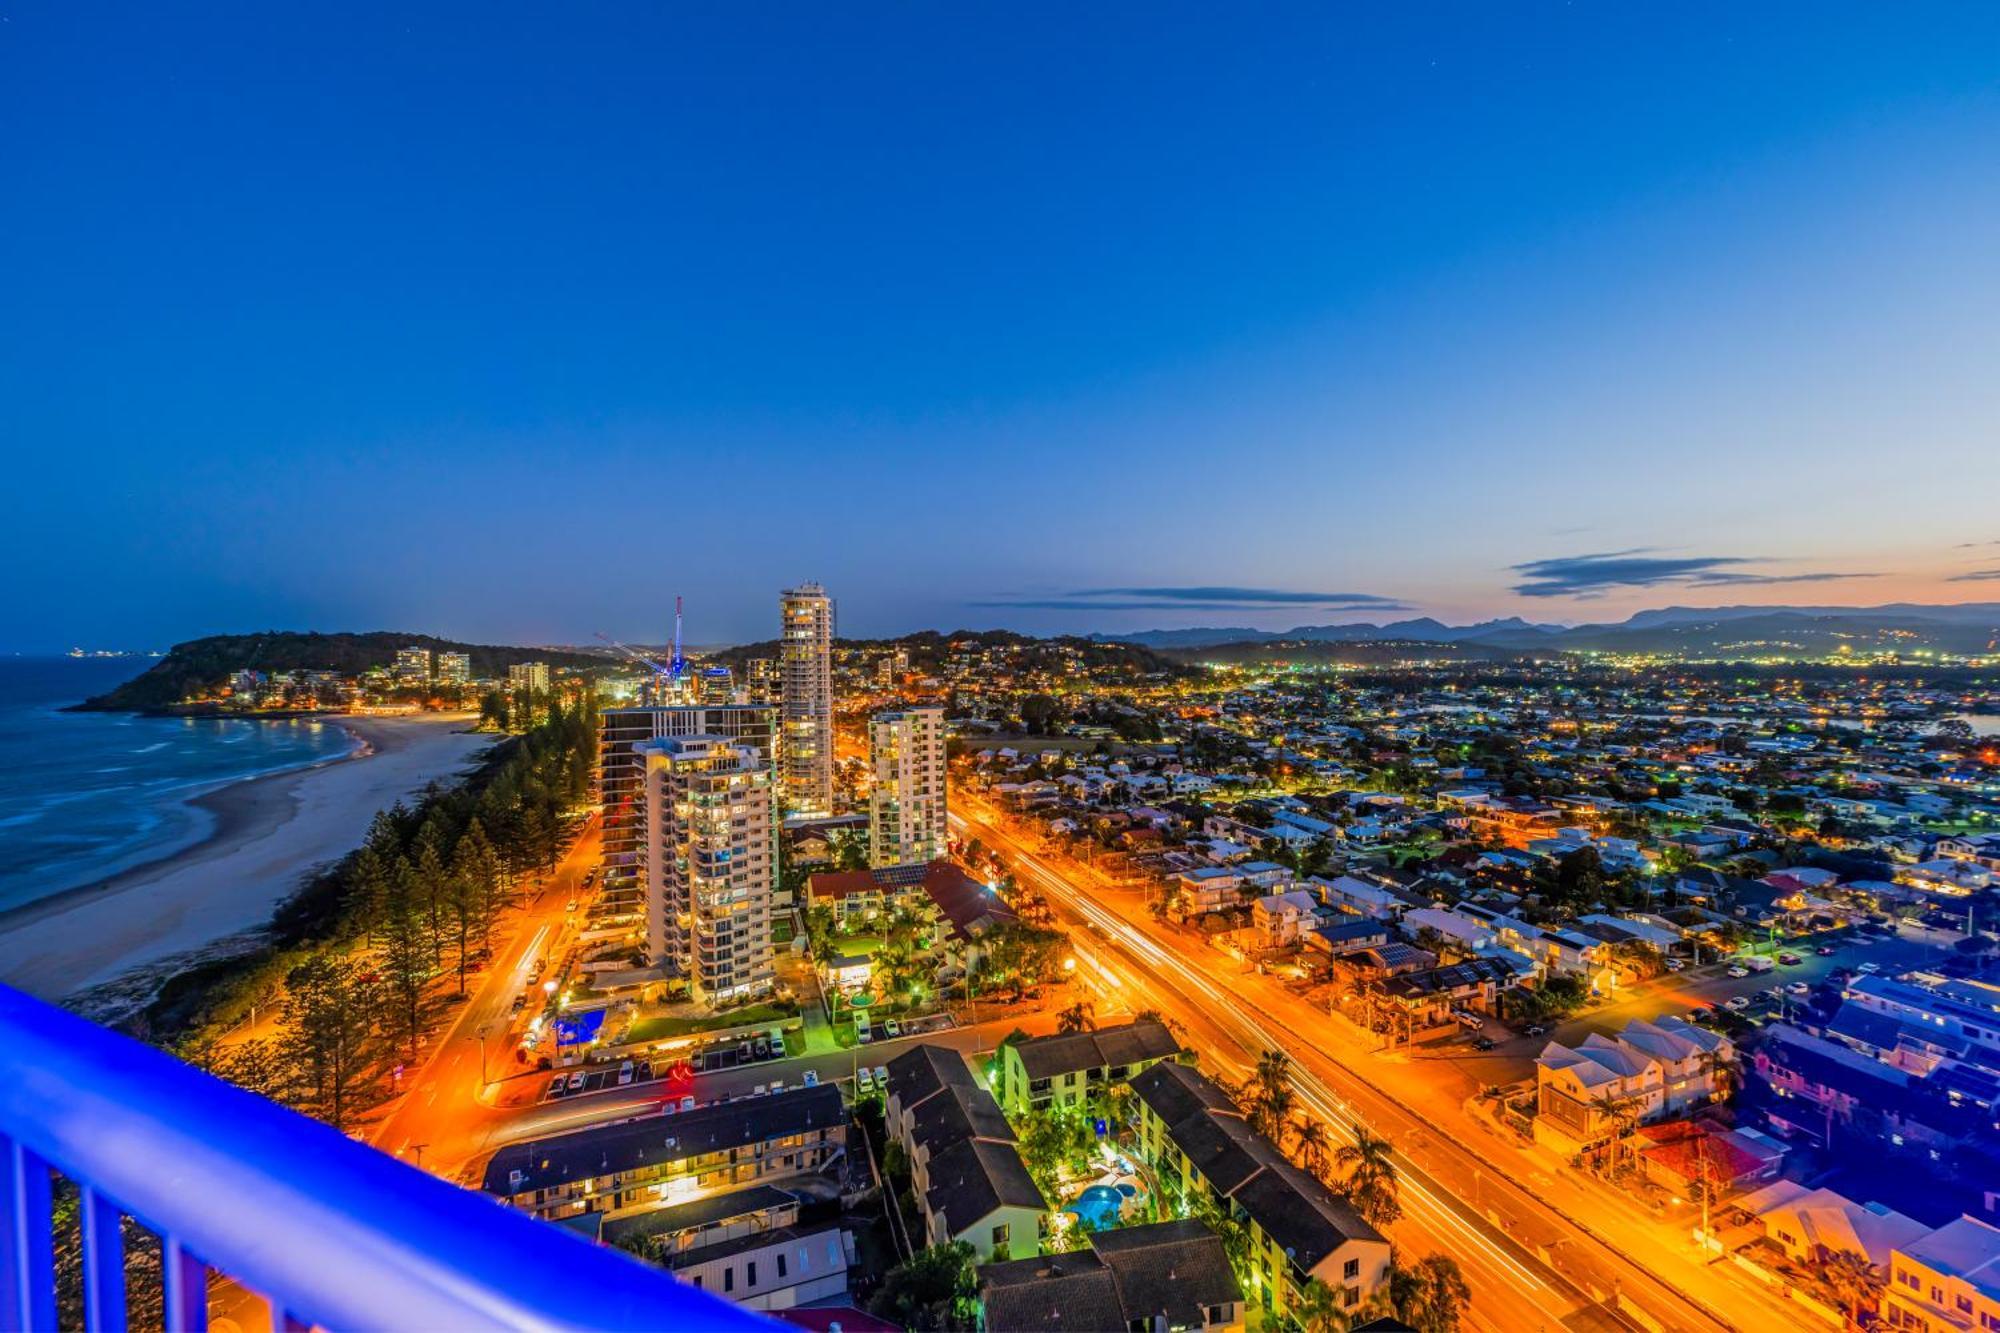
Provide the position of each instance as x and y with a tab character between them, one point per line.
529	676
806	676
711	864
413	666
906	806
454	668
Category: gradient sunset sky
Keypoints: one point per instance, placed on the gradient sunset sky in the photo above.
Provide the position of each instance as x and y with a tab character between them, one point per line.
509	322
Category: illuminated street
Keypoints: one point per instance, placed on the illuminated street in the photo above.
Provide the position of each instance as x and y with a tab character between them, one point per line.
1531	1262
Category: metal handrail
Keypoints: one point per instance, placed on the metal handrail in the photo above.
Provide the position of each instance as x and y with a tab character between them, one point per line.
334	1233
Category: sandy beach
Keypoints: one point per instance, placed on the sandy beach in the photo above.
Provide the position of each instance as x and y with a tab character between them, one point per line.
269	832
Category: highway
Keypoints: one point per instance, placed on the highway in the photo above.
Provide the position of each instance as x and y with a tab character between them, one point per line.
1530	1263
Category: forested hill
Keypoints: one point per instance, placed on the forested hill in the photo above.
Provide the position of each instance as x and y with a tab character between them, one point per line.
930	649
199	665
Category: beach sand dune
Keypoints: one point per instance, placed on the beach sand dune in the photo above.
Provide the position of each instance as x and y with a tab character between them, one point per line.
269	832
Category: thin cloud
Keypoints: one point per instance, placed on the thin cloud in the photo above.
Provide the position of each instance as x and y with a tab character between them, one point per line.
1973	546
1595	574
1248	596
1083	604
1976	576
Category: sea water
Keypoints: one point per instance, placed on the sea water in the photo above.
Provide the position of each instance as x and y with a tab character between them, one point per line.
87	795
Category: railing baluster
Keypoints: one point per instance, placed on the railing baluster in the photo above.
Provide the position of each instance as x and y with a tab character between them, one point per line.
103	1261
28	1268
186	1280
283	1320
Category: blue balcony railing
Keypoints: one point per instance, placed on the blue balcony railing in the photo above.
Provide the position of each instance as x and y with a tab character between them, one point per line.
332	1233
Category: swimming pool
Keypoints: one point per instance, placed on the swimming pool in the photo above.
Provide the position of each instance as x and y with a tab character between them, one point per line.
1098	1207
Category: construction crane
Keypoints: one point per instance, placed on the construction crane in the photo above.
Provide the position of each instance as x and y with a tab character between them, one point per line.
677	665
636	656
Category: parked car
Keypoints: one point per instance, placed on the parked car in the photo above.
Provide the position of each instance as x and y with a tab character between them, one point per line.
882	1077
864	1079
1869	969
1738	971
761	1048
1790	959
1534	1030
576	1080
625	1073
1799	988
687	1103
1482	1043
1736	1003
812	1078
893	1027
558	1085
1825	951
1675	965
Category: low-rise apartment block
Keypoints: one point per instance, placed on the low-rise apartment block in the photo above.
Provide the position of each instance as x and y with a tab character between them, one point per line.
1067	1068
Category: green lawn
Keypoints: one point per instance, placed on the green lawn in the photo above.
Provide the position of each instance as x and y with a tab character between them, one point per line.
661	1026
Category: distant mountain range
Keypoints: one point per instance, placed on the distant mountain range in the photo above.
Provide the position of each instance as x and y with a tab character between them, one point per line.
1719	631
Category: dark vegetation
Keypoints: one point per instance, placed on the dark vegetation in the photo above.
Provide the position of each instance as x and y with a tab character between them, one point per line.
200	665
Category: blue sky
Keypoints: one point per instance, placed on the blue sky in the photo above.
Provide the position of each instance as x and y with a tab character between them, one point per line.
510	323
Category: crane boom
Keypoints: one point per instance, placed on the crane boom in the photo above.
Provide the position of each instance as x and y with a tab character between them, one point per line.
635	655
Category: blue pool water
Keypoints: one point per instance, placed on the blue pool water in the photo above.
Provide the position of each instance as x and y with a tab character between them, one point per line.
1099	1207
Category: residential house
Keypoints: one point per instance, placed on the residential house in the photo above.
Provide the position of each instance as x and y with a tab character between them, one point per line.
1649	1071
1946	1282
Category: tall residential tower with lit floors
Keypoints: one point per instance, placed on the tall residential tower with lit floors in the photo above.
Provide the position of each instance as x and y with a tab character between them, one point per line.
806	676
709	842
906	810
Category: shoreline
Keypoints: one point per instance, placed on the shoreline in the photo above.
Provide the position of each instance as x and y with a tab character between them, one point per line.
267	833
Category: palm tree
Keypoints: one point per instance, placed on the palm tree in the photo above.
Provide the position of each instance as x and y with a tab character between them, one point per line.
1318	1309
1311	1142
1267	1098
1615	1109
1371	1178
1079	1017
1439	1295
1722	1070
1854	1280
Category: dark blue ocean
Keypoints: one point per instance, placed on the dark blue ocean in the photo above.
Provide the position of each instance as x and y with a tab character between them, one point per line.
86	795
